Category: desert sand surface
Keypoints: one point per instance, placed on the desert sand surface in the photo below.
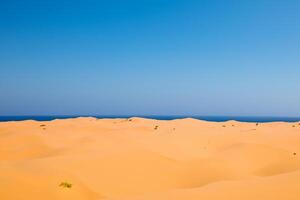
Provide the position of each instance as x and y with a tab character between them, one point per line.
145	159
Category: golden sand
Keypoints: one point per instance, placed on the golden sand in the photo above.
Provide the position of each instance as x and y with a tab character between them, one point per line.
143	159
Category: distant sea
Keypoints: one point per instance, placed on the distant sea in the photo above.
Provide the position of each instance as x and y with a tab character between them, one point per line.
160	117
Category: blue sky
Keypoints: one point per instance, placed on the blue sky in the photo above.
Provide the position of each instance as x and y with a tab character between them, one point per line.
150	57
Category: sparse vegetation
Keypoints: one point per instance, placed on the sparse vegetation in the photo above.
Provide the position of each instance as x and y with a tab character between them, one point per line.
156	127
65	184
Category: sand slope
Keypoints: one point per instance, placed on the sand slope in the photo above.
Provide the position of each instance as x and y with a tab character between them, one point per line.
149	159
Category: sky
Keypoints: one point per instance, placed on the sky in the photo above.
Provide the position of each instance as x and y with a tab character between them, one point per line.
150	57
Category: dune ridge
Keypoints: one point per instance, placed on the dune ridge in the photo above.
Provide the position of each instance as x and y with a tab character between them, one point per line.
139	158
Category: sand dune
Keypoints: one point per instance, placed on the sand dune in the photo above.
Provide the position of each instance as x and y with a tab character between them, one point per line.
136	158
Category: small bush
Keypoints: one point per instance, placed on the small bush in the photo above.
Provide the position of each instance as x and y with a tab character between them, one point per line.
156	127
65	184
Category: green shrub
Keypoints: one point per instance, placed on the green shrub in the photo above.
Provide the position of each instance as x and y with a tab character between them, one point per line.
65	184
